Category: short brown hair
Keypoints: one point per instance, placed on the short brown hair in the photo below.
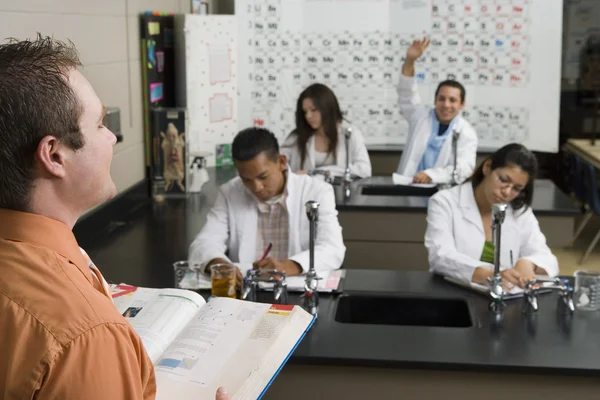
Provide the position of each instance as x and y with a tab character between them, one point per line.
36	101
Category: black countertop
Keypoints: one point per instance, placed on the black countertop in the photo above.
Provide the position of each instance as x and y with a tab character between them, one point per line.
546	342
548	199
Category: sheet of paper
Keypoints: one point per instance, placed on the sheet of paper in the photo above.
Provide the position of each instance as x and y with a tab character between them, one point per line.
219	58
158	315
407	181
329	283
221	107
209	340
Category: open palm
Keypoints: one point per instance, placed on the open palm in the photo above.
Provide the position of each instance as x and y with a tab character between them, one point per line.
417	48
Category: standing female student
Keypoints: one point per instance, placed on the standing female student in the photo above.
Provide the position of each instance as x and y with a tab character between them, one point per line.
459	223
319	140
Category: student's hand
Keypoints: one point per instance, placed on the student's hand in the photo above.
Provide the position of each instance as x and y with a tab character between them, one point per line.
417	48
290	267
301	172
526	268
222	394
511	278
421	177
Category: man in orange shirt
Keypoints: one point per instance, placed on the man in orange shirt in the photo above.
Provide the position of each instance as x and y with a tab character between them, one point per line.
60	335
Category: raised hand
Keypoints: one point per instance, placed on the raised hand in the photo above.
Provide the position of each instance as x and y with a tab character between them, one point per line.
417	48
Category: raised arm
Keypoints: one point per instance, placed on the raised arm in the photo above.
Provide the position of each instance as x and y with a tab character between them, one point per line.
408	95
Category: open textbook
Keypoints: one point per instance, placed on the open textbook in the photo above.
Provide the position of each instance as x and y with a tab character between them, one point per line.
197	346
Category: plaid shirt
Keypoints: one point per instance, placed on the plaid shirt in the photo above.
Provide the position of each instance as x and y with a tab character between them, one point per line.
273	227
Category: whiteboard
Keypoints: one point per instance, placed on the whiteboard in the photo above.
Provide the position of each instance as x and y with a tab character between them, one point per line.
507	54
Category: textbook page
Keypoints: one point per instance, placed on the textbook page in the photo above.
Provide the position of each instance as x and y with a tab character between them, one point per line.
237	344
157	315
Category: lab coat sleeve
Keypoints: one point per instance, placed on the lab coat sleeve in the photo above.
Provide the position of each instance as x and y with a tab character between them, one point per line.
329	244
360	162
444	258
212	240
465	162
533	245
409	99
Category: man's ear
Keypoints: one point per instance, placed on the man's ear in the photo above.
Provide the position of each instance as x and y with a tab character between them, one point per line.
50	156
282	158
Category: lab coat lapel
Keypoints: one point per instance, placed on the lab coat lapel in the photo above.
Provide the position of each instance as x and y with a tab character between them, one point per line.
469	208
292	206
418	146
248	216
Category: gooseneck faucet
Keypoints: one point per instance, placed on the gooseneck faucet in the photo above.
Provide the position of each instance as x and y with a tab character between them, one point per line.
536	285
311	295
496	289
254	276
455	136
347	174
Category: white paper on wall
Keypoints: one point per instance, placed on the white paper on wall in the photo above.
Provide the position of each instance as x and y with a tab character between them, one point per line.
507	53
211	82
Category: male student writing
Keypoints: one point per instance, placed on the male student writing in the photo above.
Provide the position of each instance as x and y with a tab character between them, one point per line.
428	156
61	336
266	204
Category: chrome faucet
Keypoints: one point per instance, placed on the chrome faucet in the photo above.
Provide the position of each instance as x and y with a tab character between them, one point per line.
347	174
326	173
534	286
311	295
455	136
254	276
454	177
496	289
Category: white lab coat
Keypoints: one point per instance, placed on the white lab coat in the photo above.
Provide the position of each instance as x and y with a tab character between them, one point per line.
455	236
360	163
231	226
420	123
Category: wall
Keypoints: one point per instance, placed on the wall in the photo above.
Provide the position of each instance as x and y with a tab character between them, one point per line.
106	34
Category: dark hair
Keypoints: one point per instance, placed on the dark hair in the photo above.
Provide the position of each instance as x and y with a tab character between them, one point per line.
325	101
250	142
512	154
454	84
36	101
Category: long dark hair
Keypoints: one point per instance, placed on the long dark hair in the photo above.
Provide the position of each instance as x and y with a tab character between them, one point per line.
325	101
512	154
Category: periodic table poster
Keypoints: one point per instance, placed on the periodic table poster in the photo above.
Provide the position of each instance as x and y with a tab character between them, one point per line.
507	53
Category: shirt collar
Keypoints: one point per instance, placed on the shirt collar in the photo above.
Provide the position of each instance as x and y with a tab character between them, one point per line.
44	232
265	207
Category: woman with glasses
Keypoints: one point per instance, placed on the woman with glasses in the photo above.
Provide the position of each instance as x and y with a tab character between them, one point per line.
459	224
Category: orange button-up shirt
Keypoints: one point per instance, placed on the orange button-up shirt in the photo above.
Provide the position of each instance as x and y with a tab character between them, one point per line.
61	336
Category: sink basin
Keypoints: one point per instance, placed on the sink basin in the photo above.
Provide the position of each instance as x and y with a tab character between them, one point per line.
398	190
403	310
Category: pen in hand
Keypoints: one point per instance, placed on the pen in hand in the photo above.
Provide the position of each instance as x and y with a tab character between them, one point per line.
267	251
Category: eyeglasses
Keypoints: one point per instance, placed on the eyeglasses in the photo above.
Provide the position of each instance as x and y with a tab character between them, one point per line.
505	183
